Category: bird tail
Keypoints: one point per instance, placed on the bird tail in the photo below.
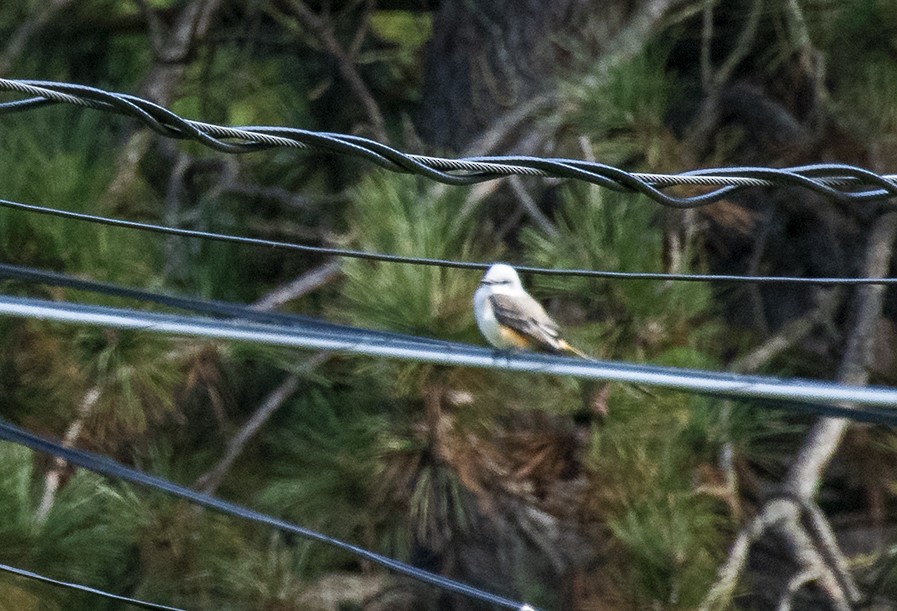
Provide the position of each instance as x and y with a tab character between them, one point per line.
565	347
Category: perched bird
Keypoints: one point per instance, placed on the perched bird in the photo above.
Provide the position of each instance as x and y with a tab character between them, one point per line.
508	316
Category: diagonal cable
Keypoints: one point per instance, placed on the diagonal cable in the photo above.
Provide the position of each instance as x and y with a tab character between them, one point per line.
107	467
135	602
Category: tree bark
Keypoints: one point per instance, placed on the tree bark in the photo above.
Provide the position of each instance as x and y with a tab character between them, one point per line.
486	58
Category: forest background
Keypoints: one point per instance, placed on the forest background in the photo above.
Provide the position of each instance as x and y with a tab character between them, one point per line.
565	494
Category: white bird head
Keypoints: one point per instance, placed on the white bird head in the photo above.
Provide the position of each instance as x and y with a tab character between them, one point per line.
502	278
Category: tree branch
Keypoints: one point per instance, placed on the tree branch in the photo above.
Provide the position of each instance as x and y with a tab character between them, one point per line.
324	33
806	471
304	284
209	481
53	477
528	204
816	551
191	25
827	302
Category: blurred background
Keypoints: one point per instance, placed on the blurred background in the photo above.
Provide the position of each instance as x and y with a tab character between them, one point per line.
568	495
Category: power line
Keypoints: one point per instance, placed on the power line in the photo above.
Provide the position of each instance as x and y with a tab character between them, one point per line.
868	403
112	469
837	181
449	263
82	588
223	309
237	312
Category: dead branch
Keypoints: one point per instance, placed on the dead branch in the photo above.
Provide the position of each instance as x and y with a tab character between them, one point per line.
794	516
209	481
53	476
190	26
819	526
806	471
304	284
827	303
805	550
529	206
631	39
624	45
715	80
812	61
730	571
346	66
494	139
798	581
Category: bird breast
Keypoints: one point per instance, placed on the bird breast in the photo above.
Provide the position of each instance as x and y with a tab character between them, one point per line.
486	320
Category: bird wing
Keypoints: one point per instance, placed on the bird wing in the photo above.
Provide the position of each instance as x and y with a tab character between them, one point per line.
526	316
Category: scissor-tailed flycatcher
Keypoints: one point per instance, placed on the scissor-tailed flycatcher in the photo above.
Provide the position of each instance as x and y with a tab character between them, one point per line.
508	316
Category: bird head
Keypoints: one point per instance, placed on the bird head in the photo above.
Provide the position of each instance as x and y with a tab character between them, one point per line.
502	277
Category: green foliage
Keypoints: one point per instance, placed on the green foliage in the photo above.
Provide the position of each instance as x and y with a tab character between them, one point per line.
70	161
672	544
380	454
438	505
621	109
86	536
223	90
857	38
867	97
133	378
603	230
404	29
271	575
135	375
327	444
868	25
185	556
398	215
406	33
644	464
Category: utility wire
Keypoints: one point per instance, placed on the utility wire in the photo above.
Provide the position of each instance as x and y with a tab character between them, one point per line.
241	312
112	469
449	263
223	309
866	403
837	181
82	588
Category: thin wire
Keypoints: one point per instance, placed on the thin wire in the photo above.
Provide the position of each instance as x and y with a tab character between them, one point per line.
82	588
866	403
449	263
837	181
112	469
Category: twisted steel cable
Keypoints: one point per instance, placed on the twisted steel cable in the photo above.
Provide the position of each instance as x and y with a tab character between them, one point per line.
840	182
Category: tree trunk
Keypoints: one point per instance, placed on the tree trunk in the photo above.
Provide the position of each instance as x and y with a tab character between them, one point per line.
487	58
